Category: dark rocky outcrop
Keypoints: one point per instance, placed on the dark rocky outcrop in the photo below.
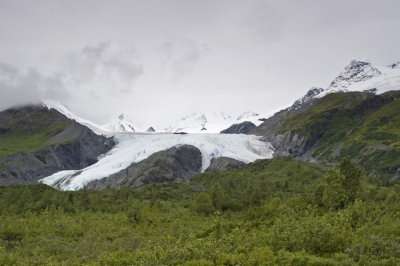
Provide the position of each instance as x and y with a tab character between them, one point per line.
66	144
151	129
311	94
245	127
224	163
178	163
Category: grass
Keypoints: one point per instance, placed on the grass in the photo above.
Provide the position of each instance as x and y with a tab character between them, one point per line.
29	130
12	143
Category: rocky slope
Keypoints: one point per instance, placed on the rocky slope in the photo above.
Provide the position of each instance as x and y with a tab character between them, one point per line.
245	127
223	164
360	125
36	141
178	163
357	116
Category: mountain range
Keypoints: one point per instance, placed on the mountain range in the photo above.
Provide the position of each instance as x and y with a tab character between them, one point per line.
357	116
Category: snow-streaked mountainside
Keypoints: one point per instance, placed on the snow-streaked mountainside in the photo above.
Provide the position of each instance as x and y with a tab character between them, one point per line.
356	71
201	122
133	147
247	115
312	93
363	76
395	65
51	104
211	122
122	124
358	76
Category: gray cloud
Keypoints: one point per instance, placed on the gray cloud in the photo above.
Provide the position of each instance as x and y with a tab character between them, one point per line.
180	56
93	72
265	19
27	86
228	54
105	66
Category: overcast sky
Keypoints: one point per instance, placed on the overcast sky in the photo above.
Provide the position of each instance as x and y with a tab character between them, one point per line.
157	60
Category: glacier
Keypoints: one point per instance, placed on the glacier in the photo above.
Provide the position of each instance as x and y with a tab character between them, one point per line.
134	147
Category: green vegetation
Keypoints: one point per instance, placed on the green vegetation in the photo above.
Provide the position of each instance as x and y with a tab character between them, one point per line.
29	130
271	212
364	127
15	142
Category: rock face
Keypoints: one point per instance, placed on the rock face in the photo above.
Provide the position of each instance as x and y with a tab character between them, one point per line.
67	144
311	94
284	143
151	129
224	163
395	65
242	128
178	163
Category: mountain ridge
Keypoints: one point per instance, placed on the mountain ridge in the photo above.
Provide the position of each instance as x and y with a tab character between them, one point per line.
36	141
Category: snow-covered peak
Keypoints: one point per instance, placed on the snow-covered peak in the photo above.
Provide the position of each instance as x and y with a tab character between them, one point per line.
212	121
202	122
311	94
121	124
63	109
395	65
356	71
247	115
363	76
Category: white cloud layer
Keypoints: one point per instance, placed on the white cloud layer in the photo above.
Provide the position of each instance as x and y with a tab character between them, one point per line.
158	60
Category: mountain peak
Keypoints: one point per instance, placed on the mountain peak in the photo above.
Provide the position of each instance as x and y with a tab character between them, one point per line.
122	116
63	109
395	65
121	124
246	115
151	129
311	94
354	72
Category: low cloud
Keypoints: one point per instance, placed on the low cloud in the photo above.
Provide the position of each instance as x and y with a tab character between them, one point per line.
95	71
28	86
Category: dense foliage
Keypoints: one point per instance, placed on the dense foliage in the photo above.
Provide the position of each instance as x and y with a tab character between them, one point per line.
271	212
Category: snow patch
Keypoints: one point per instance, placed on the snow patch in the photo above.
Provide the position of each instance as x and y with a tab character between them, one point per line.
63	109
122	124
363	76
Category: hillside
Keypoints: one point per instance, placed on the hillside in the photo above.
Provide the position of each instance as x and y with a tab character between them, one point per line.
359	125
36	141
271	212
